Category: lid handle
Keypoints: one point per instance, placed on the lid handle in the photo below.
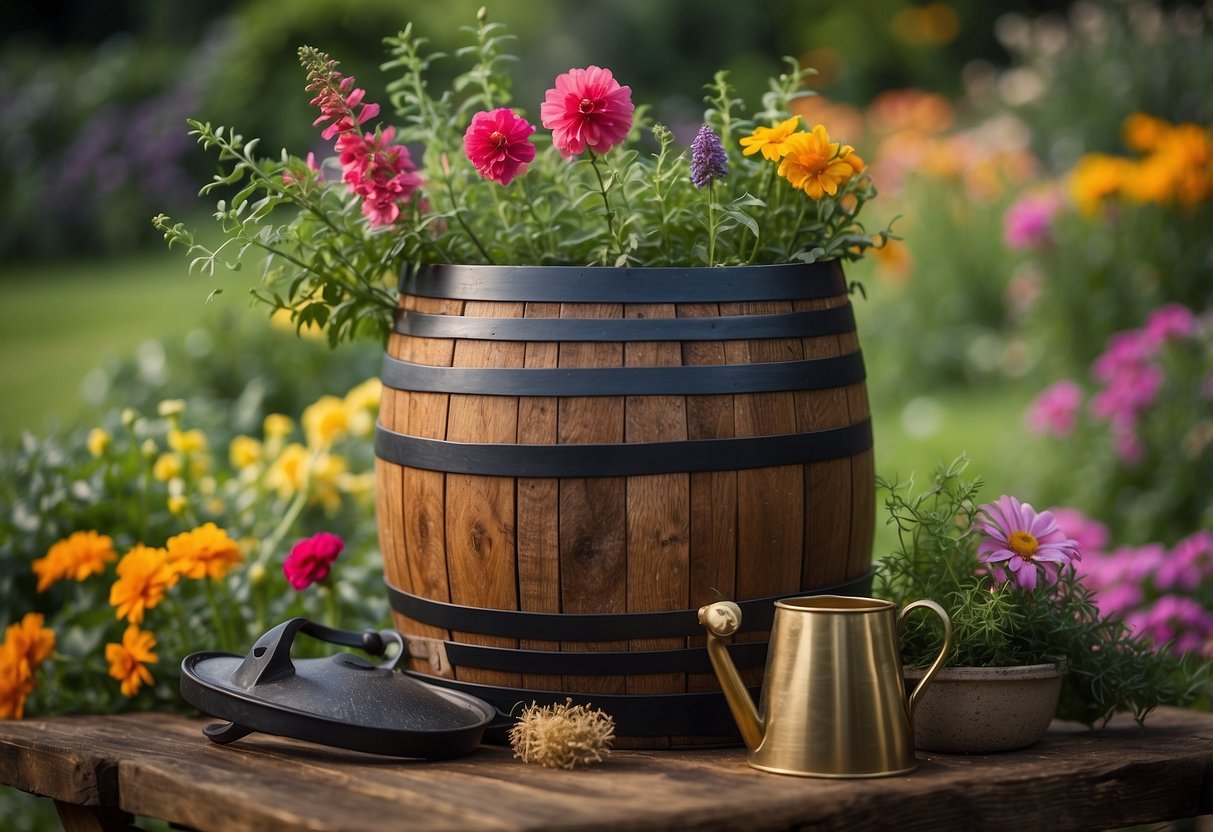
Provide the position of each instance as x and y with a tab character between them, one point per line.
270	658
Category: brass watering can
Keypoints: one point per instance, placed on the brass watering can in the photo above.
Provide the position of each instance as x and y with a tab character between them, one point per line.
833	700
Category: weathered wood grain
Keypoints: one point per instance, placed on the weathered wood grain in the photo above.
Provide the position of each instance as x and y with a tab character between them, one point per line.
658	506
538	533
158	765
480	518
828	508
593	511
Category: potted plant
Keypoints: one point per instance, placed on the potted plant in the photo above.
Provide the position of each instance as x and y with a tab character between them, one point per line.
621	367
1028	641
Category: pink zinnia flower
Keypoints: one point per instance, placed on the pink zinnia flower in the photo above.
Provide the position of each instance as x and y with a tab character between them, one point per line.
310	560
1055	410
1023	539
498	144
587	108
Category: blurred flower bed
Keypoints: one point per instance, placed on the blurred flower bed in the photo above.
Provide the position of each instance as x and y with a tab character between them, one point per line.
170	527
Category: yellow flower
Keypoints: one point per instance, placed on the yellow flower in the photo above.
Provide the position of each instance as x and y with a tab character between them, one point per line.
814	164
78	556
187	441
327	474
128	659
277	426
177	504
144	575
1097	177
98	441
288	475
1144	132
167	466
244	452
204	552
772	141
30	639
171	408
16	683
325	421
361	404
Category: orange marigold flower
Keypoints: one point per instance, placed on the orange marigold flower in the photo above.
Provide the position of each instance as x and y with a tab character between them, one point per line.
205	552
1144	132
16	682
127	660
1097	177
78	556
30	639
814	164
772	141
144	575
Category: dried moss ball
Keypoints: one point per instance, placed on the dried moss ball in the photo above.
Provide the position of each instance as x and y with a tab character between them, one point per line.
562	735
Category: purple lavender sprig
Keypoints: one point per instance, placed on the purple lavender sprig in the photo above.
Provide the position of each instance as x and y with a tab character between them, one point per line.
708	164
708	160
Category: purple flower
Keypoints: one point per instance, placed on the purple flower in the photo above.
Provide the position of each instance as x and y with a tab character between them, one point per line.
1168	322
1055	410
708	159
1023	539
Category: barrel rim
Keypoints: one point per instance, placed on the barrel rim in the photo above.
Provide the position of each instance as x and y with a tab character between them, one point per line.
610	284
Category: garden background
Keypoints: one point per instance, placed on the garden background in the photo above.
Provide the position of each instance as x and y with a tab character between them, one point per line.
1046	310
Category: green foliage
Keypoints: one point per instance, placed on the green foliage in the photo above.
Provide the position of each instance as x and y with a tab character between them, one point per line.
330	267
996	624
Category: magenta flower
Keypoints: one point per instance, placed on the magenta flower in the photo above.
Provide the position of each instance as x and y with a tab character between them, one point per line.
1168	322
311	559
587	108
1056	409
339	103
1026	225
382	173
498	144
1023	540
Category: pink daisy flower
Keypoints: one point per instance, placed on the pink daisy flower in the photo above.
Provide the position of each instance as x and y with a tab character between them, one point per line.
498	144
587	108
1023	540
311	559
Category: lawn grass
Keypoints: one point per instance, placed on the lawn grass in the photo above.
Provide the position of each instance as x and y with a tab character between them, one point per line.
58	321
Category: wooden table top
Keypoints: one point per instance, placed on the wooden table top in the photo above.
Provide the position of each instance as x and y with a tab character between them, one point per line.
161	766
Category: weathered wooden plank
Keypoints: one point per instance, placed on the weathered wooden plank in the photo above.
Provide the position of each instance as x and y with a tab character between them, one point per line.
424	492
828	500
163	767
538	534
480	519
771	503
593	511
658	507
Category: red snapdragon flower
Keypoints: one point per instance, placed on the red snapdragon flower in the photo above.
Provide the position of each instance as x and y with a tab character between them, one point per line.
498	144
587	108
311	559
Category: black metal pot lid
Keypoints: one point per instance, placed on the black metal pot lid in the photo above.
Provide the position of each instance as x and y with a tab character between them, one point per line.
343	700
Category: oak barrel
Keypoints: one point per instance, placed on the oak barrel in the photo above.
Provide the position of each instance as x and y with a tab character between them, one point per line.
572	460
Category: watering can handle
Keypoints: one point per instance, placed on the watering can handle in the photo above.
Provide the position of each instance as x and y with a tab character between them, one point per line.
943	653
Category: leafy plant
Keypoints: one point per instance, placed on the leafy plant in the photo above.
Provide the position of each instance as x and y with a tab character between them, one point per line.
337	233
999	621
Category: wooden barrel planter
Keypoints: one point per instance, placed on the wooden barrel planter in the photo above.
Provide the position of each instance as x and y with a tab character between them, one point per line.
571	461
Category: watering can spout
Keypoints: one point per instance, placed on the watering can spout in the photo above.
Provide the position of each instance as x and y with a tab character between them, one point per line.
721	620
